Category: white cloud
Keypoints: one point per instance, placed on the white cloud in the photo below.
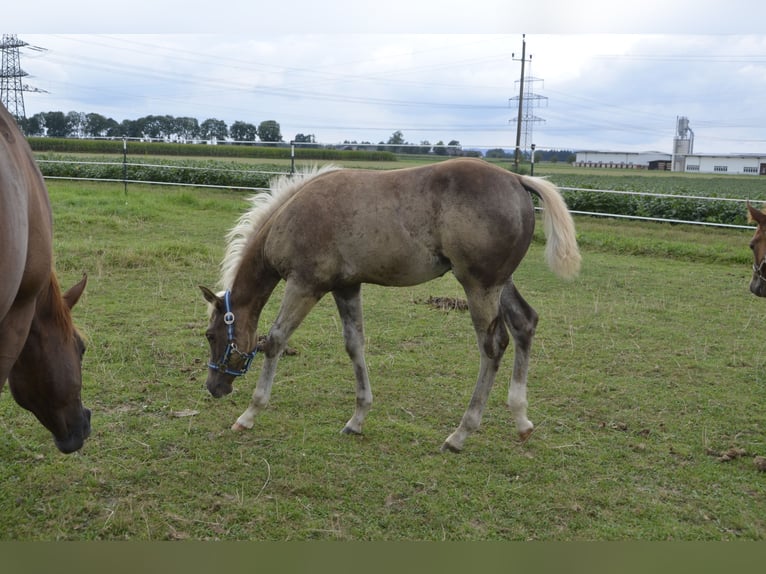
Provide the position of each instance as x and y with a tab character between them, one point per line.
617	91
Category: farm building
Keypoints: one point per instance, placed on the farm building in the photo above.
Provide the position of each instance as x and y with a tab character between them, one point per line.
624	160
683	158
743	164
731	164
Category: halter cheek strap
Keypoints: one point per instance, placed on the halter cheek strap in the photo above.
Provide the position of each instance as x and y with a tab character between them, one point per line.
757	269
222	365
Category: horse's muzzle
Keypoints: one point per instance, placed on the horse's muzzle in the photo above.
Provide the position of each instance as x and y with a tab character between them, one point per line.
77	437
217	387
758	285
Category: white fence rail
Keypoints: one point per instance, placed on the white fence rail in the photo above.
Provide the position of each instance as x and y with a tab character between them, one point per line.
124	180
660	195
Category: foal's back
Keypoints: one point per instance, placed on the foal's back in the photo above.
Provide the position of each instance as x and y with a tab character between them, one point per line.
403	227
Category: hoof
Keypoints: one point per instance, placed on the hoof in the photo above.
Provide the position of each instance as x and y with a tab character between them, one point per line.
238	427
447	447
525	435
349	430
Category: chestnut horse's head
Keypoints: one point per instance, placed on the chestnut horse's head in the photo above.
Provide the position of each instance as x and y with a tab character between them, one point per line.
758	246
47	376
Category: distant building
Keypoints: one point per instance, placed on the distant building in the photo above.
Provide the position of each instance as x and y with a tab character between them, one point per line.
683	158
732	164
623	160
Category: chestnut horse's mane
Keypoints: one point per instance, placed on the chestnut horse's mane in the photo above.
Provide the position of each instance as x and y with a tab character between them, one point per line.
52	303
262	206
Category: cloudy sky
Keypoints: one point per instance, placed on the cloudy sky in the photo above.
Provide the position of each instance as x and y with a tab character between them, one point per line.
607	75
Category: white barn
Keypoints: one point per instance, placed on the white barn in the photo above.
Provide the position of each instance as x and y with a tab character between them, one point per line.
732	164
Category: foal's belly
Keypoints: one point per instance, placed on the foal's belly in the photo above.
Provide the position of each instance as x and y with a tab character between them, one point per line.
414	269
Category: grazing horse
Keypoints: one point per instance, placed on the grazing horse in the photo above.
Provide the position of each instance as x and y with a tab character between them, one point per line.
758	246
332	230
40	350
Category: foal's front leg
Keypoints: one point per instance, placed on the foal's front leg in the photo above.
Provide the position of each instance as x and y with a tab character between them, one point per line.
296	304
349	302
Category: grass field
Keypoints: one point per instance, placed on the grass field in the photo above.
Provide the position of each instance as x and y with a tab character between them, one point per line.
645	370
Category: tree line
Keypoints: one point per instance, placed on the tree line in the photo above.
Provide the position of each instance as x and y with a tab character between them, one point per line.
187	129
551	155
167	128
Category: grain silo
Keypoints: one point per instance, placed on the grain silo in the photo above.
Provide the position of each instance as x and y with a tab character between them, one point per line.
683	143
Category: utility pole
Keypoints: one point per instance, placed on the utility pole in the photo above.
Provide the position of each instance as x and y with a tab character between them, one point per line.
517	154
11	88
527	102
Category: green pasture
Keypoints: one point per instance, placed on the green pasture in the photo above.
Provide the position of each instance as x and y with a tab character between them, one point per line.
646	370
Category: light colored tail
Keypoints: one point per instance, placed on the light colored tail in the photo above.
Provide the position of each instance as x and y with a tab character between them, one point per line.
561	251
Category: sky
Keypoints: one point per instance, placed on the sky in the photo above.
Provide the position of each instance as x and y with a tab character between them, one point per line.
605	75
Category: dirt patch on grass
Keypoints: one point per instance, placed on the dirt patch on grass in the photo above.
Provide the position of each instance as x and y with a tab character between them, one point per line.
734	453
446	303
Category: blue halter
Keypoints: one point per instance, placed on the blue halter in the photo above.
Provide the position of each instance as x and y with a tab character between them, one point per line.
222	366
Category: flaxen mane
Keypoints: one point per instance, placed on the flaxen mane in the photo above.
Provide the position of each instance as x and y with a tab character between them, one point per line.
262	206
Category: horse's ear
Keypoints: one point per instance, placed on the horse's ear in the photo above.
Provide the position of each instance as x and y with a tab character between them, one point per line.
755	215
72	296
211	297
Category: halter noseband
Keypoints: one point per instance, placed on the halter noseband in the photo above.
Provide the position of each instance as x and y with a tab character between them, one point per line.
222	365
757	269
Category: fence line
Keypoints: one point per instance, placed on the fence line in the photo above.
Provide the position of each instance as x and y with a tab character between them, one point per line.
160	166
165	183
652	194
658	219
126	181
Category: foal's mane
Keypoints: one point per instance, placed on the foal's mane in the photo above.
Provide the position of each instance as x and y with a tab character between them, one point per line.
262	206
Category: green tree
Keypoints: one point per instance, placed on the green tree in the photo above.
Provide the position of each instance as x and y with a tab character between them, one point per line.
396	139
56	124
34	125
440	148
243	131
75	121
96	125
424	148
127	128
269	131
185	128
213	129
159	127
496	153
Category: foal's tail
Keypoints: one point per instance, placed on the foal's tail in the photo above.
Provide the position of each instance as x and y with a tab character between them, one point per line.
561	251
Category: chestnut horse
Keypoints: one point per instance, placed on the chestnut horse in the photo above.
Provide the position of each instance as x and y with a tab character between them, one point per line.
40	350
758	246
332	230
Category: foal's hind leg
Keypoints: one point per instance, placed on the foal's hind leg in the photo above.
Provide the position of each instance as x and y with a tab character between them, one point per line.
349	302
521	318
296	304
492	337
